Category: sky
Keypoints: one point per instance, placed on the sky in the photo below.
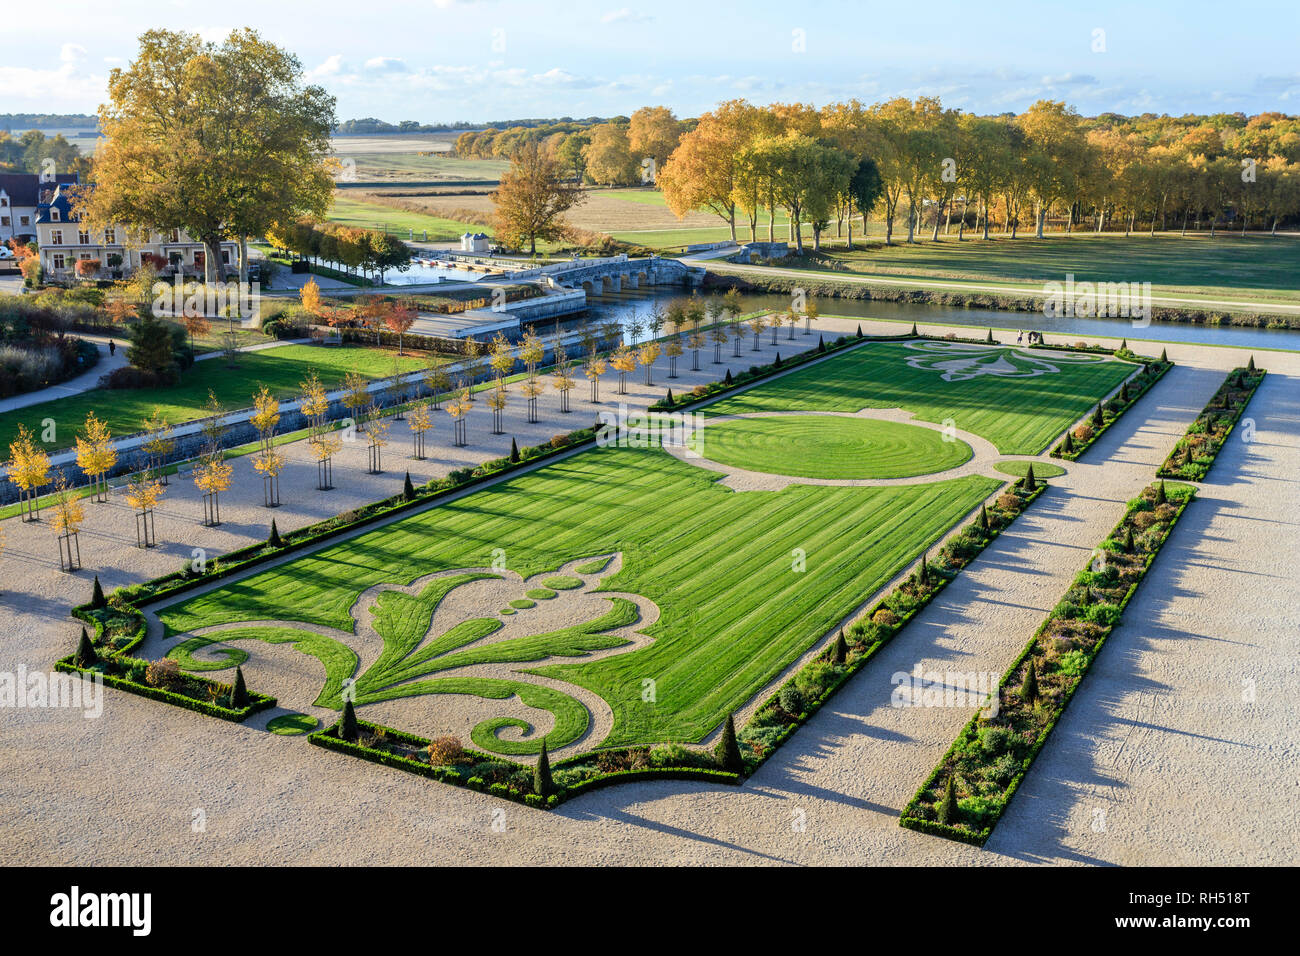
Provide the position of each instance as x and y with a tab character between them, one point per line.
440	61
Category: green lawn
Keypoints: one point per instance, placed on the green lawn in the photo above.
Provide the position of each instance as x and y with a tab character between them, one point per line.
717	563
363	215
1227	267
280	369
1019	399
829	446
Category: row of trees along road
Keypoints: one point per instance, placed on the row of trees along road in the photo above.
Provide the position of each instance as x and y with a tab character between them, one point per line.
221	140
916	157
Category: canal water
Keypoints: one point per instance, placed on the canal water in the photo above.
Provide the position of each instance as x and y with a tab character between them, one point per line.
632	304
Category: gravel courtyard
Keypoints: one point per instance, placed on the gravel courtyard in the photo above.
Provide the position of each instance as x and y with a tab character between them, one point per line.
1179	748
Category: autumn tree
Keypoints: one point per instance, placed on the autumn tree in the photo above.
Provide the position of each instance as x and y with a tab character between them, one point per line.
652	133
593	368
143	492
66	519
703	171
623	361
563	378
268	462
609	156
532	199
321	439
377	428
646	355
497	402
96	455
421	422
29	469
220	140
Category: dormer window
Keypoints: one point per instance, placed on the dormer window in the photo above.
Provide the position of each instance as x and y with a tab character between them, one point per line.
176	235
54	215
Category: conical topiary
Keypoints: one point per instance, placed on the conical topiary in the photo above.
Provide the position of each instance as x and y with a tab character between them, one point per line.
984	518
859	330
514	446
727	379
1069	444
990	338
408	489
1030	481
239	692
1250	366
86	656
914	332
821	344
348	722
669	399
923	573
841	648
1123	346
1029	689
273	539
948	805
1160	493
727	752
1128	539
777	362
543	786
97	596
1123	392
1098	419
1164	355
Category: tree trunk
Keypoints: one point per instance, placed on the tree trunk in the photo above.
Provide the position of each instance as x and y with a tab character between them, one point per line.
243	261
731	221
1042	216
934	236
850	246
212	264
1273	231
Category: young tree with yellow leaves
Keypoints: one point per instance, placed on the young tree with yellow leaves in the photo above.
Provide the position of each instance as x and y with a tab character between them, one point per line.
673	349
377	427
502	357
532	390
96	455
356	394
143	492
311	300
810	315
472	364
421	423
29	469
158	443
695	342
497	402
321	439
212	475
66	521
459	408
791	320
623	361
531	352
594	368
718	333
564	382
647	354
757	324
436	379
268	462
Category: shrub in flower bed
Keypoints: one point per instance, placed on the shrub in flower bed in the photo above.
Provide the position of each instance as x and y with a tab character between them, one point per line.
966	794
814	683
1197	450
1084	435
444	759
163	680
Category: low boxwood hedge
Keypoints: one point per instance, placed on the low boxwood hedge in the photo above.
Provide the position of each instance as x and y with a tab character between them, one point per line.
1195	453
1153	370
256	701
1086	621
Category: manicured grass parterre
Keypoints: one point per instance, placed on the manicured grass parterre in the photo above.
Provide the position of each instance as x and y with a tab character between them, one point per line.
829	446
1019	399
281	369
747	617
1018	469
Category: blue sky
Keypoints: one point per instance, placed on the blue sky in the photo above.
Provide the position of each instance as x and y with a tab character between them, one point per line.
445	60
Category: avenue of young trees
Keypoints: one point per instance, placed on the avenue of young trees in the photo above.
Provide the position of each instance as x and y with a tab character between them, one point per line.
372	253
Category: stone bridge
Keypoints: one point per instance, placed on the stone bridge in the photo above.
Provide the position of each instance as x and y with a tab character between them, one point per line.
616	273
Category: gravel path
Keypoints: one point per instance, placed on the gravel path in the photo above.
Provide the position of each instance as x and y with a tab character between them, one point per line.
1219	607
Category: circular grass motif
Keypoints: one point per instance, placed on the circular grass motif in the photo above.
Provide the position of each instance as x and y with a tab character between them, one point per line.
506	611
540	594
522	604
562	582
1017	469
291	725
829	446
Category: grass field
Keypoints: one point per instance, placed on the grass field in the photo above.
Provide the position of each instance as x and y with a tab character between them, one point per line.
364	215
1227	267
280	369
1018	399
829	446
749	614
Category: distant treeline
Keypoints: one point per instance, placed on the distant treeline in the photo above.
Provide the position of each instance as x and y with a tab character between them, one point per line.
370	125
12	121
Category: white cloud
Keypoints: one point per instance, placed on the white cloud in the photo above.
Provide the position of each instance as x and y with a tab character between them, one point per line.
386	64
625	15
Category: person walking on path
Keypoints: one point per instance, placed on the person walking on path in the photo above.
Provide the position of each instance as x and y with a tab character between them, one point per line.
112	348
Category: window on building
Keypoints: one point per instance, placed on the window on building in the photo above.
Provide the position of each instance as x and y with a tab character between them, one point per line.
176	235
57	260
225	256
4	220
54	215
56	237
83	237
110	236
24	220
4	202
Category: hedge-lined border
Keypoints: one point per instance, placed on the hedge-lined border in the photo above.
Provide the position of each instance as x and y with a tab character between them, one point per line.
329	739
1169	470
979	838
1153	370
237	715
811	707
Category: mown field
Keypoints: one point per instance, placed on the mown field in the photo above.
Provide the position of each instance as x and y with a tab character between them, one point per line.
718	563
829	446
1020	414
281	369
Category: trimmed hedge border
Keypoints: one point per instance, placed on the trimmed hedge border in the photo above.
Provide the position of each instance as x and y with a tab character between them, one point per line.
256	701
1153	370
811	707
330	740
908	817
1169	470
